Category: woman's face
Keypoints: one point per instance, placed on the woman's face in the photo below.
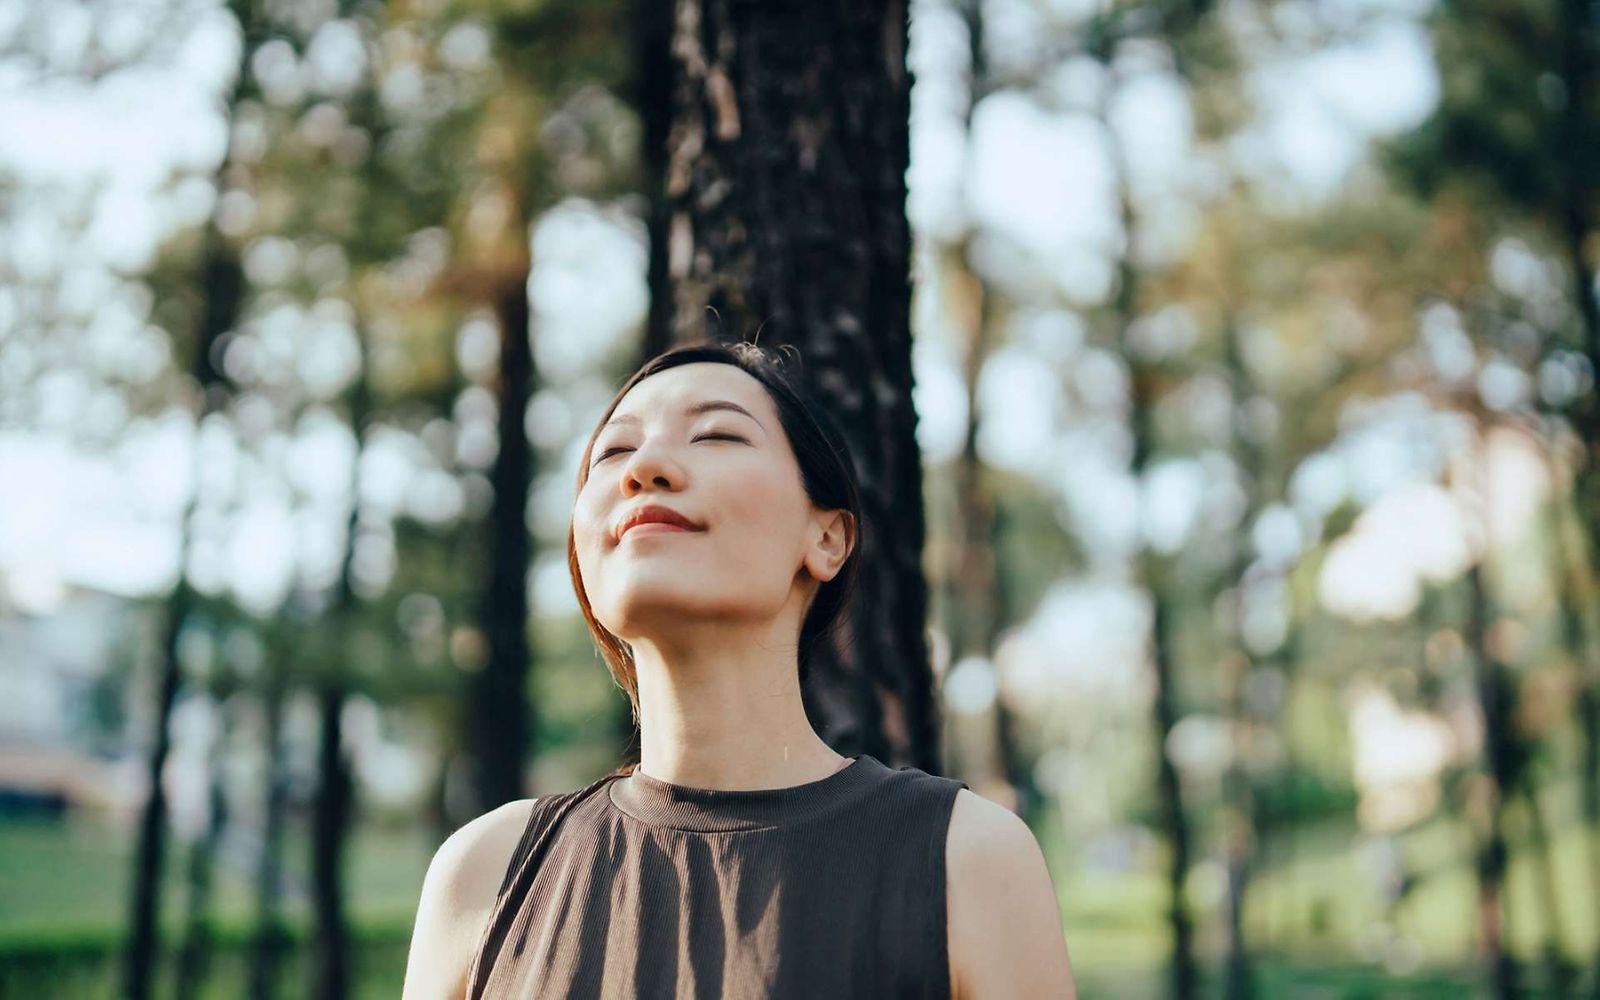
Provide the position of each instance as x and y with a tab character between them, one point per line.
702	440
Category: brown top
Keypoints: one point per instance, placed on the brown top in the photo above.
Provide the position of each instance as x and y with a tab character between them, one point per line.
635	887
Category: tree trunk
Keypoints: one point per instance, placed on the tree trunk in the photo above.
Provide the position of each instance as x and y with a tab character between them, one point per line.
1142	379
1562	976
1573	589
502	713
222	288
335	800
1576	223
1494	700
1240	833
270	937
651	95
978	520
330	821
785	195
223	283
194	958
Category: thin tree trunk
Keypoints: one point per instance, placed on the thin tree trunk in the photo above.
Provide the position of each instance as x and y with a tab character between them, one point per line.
1561	975
785	194
270	938
330	821
223	286
1494	699
1576	225
195	956
979	519
502	712
335	800
1240	834
1142	386
1573	588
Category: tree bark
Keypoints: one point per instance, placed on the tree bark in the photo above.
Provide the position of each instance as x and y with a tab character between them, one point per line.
785	193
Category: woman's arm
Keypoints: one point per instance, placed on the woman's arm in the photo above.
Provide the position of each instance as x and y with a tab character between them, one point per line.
457	895
1005	921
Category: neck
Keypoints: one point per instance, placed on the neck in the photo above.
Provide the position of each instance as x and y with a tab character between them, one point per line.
722	709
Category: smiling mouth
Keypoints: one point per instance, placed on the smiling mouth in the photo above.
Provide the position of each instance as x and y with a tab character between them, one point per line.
655	528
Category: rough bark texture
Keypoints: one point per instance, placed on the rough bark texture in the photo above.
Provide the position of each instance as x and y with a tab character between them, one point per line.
785	194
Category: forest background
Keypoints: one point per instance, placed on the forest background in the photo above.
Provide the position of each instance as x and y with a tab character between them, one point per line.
1221	374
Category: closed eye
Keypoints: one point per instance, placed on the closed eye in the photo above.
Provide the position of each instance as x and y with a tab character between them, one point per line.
704	437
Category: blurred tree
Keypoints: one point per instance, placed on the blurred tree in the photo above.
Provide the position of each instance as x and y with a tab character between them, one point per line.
785	192
651	94
975	607
271	936
1178	31
221	283
1518	81
1505	760
551	58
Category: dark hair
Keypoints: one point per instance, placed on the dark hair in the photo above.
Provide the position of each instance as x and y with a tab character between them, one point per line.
826	471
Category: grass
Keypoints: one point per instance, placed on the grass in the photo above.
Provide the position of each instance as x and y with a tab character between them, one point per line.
67	877
1322	928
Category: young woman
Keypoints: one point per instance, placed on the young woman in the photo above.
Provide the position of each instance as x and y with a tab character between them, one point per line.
714	542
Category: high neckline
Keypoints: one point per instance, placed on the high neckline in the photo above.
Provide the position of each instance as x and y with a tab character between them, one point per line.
711	810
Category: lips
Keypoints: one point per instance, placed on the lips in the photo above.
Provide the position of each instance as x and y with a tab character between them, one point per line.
655	514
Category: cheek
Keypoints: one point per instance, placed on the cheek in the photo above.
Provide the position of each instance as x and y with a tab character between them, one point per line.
589	525
762	515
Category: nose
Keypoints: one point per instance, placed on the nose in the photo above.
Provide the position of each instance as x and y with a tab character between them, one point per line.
649	464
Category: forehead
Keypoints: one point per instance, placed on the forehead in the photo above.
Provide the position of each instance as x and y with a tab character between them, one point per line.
669	392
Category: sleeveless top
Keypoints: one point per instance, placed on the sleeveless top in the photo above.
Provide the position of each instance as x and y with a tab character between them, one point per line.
635	887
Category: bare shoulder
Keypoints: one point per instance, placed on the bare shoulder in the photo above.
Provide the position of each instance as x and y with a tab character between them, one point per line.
458	894
1005	929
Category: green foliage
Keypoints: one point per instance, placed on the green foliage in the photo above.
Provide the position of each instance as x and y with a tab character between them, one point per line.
1504	106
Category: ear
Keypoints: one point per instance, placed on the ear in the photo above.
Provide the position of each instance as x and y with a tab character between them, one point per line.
833	544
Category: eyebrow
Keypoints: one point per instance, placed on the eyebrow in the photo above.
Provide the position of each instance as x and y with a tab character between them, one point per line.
696	409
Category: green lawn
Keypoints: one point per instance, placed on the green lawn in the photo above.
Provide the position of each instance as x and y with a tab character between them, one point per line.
70	877
63	889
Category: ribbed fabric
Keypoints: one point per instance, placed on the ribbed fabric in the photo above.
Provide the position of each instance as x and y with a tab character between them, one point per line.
635	887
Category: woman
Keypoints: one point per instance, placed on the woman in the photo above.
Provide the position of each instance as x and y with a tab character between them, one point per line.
713	543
